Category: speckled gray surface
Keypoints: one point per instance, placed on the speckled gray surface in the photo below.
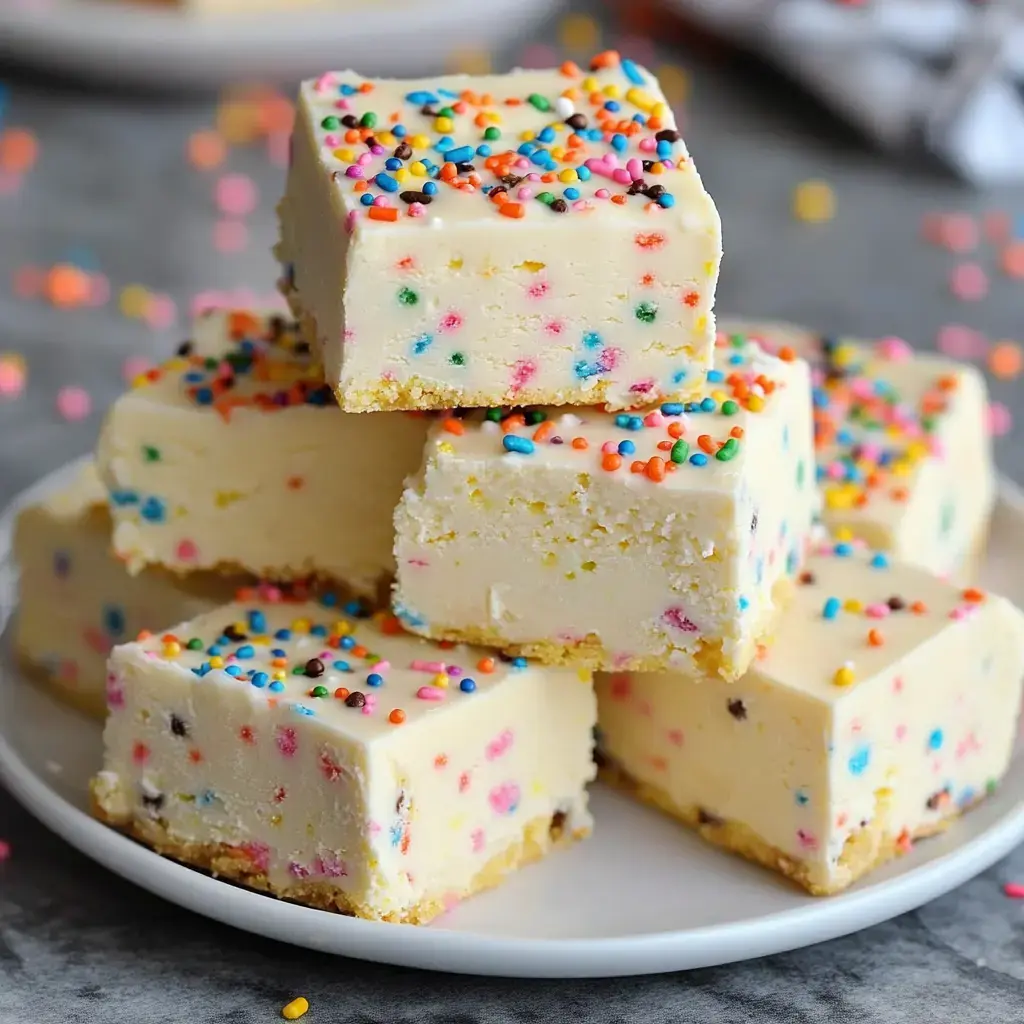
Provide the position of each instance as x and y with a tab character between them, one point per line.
79	944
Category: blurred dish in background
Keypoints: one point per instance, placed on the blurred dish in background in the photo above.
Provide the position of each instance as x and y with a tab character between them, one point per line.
204	43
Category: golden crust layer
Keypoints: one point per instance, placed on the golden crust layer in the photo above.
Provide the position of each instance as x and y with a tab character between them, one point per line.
865	850
221	860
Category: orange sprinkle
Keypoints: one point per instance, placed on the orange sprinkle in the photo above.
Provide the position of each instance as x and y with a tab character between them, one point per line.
736	432
919	608
513	210
279	662
611	462
397	717
510	423
973	595
664	446
619	200
675	430
144	634
383	213
454	426
637	467
485	665
606	59
705	444
875	638
391	625
570	69
580	444
899	494
544	431
359	651
656	469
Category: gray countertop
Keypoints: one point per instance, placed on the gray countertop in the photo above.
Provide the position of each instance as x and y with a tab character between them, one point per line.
79	944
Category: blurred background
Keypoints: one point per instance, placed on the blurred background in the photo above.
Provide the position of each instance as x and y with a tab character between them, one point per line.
867	159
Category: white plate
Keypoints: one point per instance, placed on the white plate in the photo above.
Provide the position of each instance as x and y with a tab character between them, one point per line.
124	43
642	896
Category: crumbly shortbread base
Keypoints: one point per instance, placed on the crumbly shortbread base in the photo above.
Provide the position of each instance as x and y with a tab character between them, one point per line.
538	838
865	850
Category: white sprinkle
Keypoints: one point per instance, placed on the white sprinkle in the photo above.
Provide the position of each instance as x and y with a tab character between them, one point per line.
564	107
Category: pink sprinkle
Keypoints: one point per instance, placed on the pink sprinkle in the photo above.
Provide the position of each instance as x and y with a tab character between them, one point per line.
416	210
581	204
381	666
1000	419
648	146
960	342
430	693
1015	890
12	376
355	171
533	176
342	103
877	611
609	448
896	350
602	193
236	195
380	201
230	236
419	665
958	232
324	82
654	419
524	193
331	141
522	163
73	403
968	282
634	168
186	551
621	175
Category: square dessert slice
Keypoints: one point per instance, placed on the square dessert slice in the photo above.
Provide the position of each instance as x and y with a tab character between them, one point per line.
234	456
76	599
535	237
885	706
904	455
340	762
664	538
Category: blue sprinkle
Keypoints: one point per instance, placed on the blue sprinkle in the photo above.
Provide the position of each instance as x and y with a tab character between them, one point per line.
448	92
193	377
396	833
257	621
594	134
386	182
347	643
259	679
215	650
278	652
583	369
879	561
843	550
467	685
636	423
483	150
205	798
698	459
520	445
422	343
283	634
245	651
572	194
715	376
591	339
318	630
366	199
640	119
622	420
392	163
540	157
743	603
664	149
347	90
519	662
124	497
232	670
374	679
113	620
612	106
546	135
399	131
583	172
678	377
619	142
444	143
672	408
666	200
276	686
342	666
935	739
153	510
203	669
632	72
708	405
626	447
526	149
429	188
303	710
859	760
353	608
204	396
831	608
329	600
459	155
801	797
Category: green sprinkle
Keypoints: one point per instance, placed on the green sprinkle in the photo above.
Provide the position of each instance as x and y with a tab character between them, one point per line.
299	670
150	454
800	473
547	198
457	359
330	123
318	691
407	297
991	786
679	451
536	100
195	644
646	312
368	120
737	340
729	407
493	414
492	134
728	451
535	416
209	363
446	112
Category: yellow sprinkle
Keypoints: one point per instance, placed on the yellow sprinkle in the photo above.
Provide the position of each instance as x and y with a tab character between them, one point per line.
589	84
385	138
402	174
455	264
344	155
172	649
558	153
843	534
813	202
278	675
275	819
755	403
613	92
216	661
342	627
440	681
644	100
527	136
446	448
851	604
584	676
301	625
419	141
295	1009
261	640
443	124
843	676
567	175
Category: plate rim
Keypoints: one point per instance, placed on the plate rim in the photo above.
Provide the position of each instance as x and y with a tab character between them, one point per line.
474	953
